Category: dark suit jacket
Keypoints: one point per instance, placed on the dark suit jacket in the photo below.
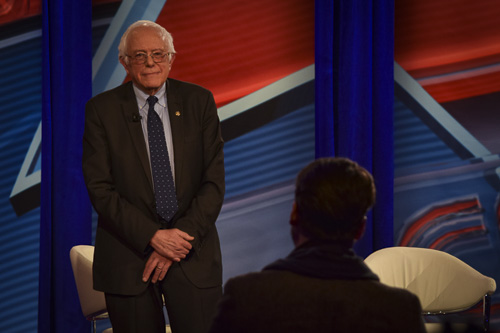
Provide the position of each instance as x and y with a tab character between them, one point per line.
118	177
316	289
280	301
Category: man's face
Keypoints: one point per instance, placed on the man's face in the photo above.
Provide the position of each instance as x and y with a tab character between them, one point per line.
148	76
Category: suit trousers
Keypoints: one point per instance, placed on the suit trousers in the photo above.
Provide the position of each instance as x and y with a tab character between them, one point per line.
190	309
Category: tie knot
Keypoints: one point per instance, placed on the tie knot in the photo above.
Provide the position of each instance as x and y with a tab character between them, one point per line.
152	101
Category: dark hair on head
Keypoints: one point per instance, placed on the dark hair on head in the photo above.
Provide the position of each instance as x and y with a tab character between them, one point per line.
332	196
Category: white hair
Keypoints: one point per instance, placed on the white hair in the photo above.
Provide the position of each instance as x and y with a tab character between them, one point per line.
162	32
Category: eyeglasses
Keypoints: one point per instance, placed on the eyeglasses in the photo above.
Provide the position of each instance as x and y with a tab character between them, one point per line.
141	57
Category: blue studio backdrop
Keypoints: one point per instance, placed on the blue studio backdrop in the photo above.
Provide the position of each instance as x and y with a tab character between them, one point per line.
354	92
65	207
354	98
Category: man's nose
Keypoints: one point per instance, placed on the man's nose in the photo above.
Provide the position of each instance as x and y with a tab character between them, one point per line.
149	60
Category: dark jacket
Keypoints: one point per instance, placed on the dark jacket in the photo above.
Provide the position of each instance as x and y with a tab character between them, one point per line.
317	288
118	177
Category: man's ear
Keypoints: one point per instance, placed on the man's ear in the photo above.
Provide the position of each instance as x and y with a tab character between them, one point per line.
297	236
171	61
294	216
124	64
361	230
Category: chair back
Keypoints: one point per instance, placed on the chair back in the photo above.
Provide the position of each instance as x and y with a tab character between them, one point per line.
91	301
442	282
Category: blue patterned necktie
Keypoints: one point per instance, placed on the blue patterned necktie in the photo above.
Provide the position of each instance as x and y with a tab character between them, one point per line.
166	201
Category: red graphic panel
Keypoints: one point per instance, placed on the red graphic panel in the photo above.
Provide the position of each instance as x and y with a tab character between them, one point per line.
236	48
451	46
12	10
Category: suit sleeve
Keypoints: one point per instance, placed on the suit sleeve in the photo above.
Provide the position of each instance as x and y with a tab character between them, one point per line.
103	164
200	216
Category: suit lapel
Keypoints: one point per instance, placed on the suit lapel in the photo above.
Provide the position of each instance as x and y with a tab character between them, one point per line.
175	113
131	115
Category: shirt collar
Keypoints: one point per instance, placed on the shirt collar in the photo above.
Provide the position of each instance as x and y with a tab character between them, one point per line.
142	97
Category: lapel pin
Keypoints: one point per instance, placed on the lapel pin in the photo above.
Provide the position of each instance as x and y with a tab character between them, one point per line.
177	113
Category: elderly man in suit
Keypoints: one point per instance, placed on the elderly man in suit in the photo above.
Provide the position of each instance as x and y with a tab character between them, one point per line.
154	168
322	285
